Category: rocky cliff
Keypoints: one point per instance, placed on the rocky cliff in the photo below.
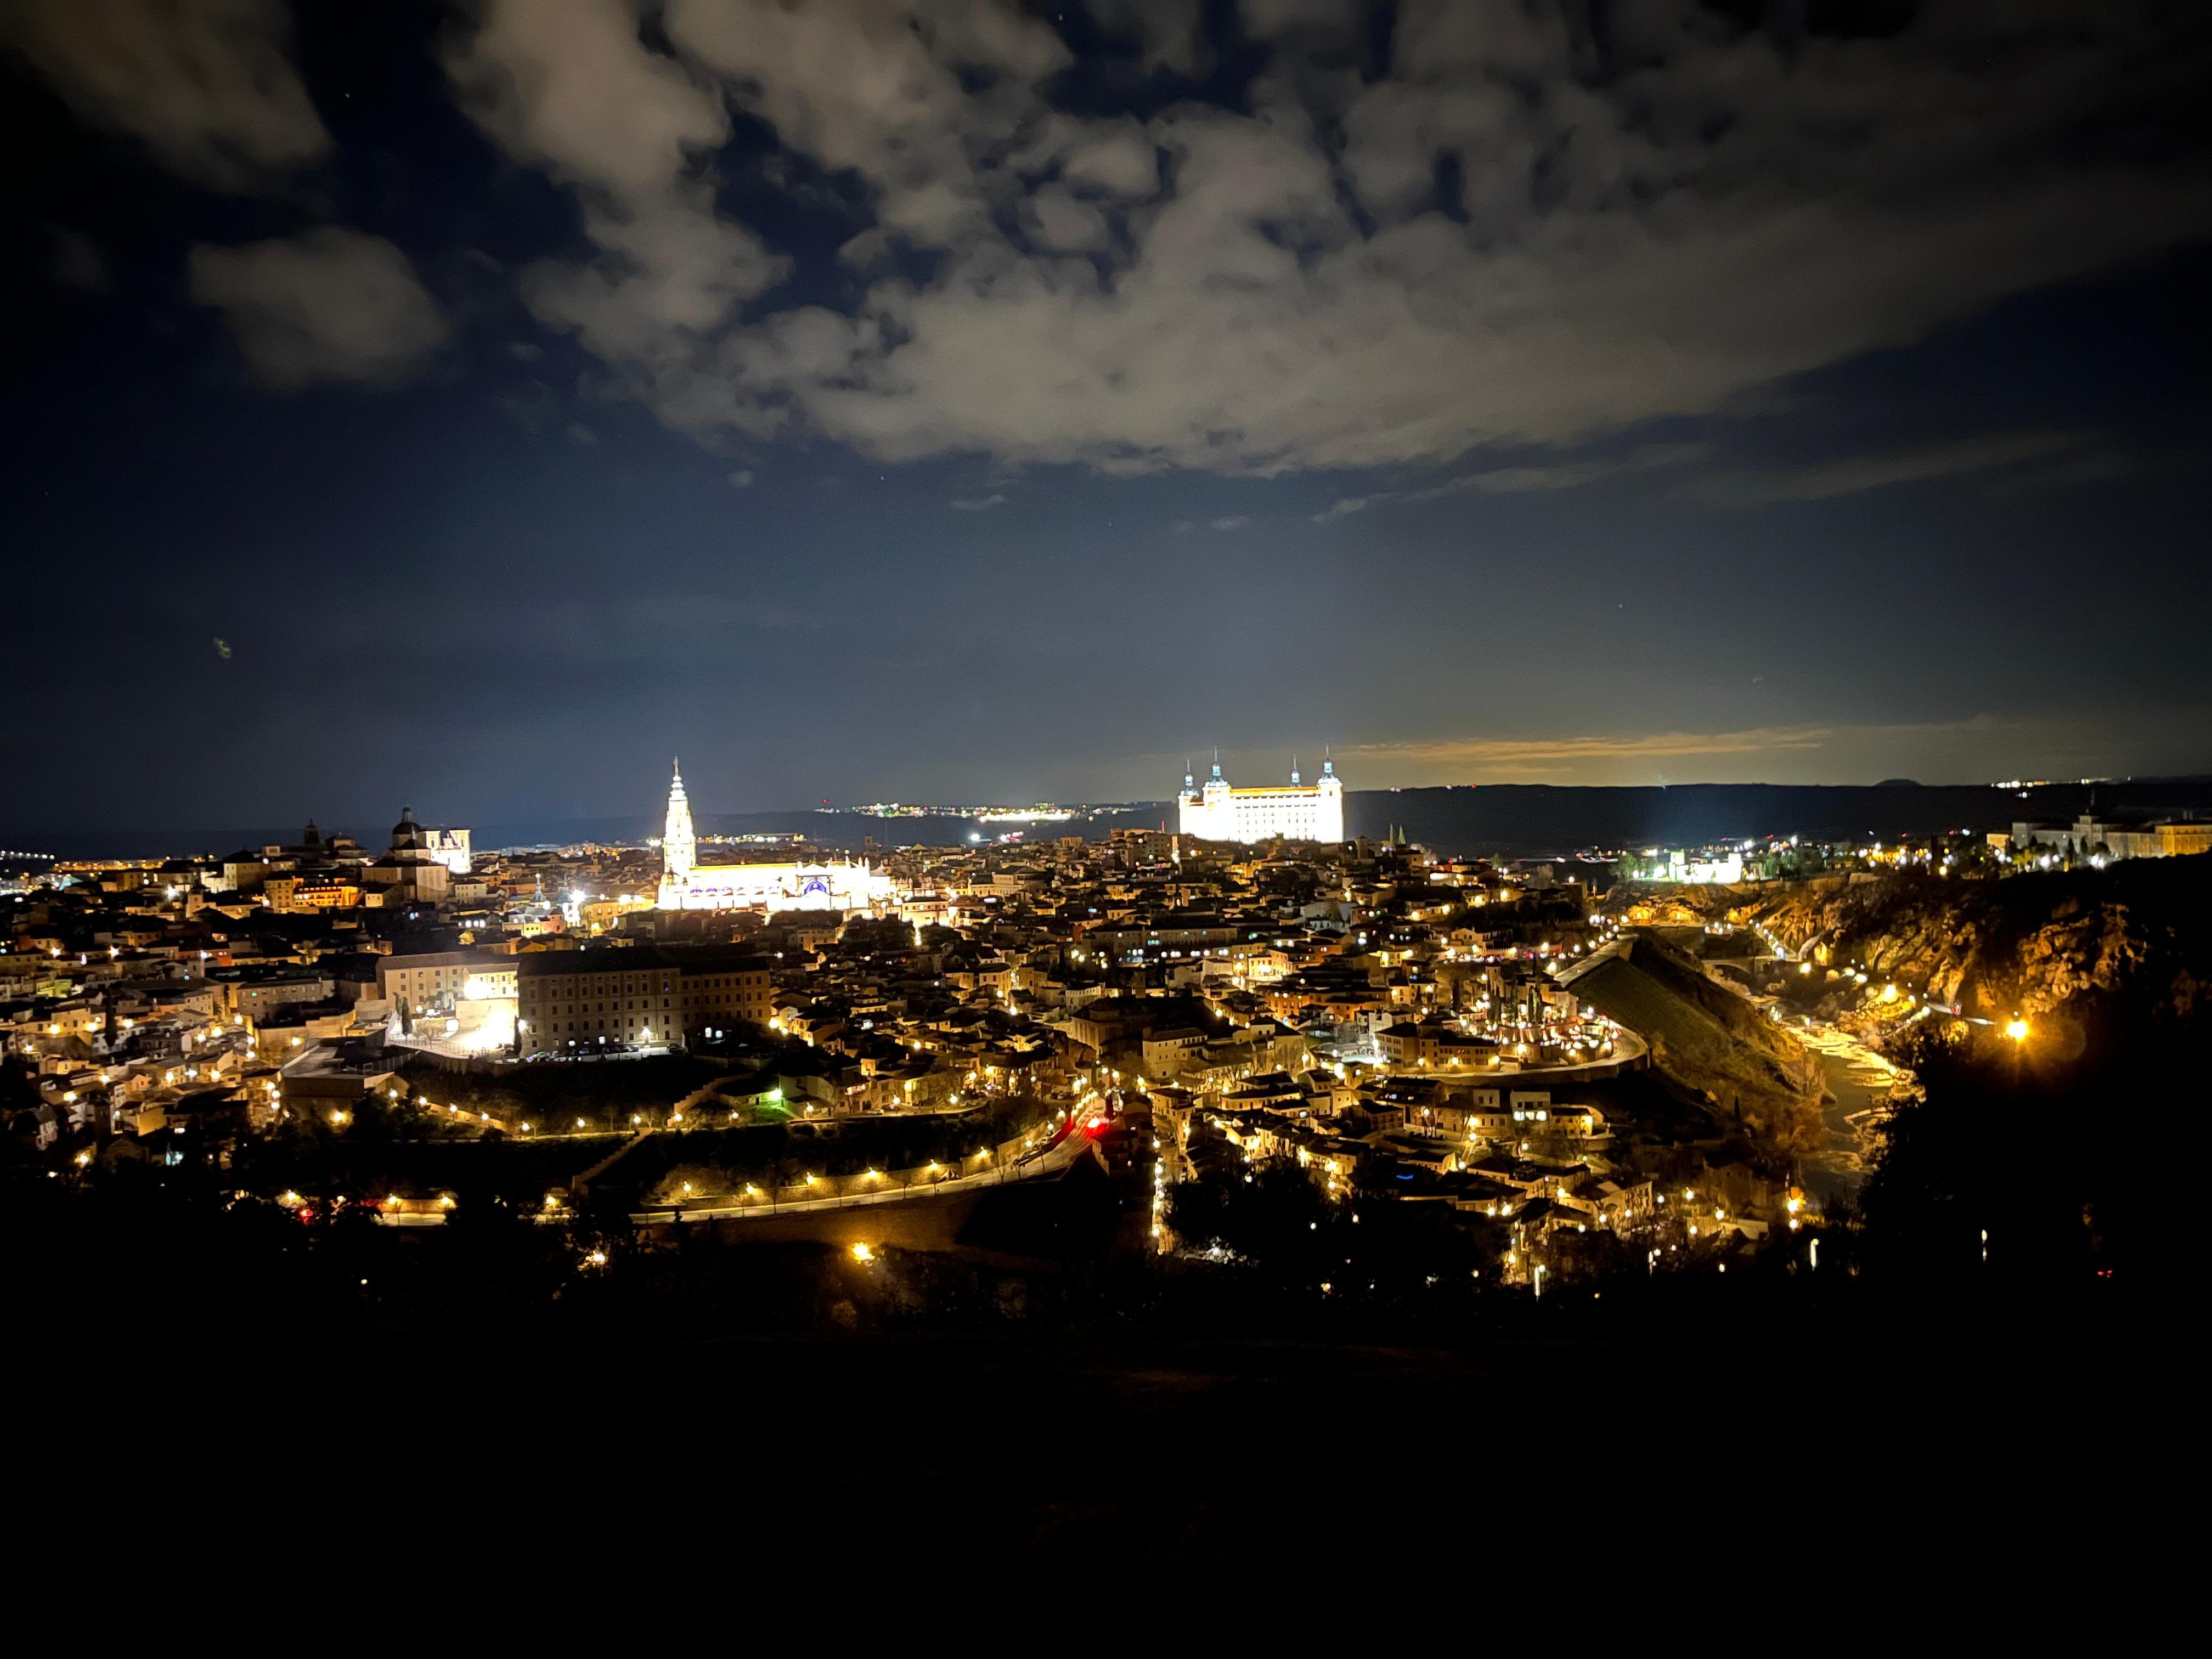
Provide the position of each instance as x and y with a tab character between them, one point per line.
2139	932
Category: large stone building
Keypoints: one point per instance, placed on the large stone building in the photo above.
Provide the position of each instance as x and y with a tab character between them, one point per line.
570	1001
434	980
1293	811
410	873
2115	838
688	885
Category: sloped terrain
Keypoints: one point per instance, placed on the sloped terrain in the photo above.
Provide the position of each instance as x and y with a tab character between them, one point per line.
1707	1038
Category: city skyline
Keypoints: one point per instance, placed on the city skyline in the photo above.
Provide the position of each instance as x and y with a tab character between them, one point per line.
913	782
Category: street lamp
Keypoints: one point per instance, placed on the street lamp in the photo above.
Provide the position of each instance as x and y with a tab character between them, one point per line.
2017	1031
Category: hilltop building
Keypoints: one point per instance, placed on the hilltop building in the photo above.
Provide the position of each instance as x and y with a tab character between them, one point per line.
1294	812
409	873
2113	838
688	885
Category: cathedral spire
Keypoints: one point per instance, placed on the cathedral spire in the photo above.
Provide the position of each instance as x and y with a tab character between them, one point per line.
679	848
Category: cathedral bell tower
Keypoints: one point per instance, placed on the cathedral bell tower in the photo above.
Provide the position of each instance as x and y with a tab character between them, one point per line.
680	847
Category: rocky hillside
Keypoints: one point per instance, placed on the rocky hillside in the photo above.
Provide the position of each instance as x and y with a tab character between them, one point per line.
1707	1038
2138	934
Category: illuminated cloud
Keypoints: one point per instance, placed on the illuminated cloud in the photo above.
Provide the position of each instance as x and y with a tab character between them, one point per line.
565	85
1545	754
1653	225
1535	478
1961	751
206	86
1995	452
328	304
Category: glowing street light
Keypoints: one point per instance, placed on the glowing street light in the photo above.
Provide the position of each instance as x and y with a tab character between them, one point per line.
2017	1030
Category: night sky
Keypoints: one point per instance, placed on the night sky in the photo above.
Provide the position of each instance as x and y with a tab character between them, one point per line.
476	406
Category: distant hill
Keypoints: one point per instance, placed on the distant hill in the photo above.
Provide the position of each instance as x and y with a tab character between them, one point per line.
1501	820
1524	820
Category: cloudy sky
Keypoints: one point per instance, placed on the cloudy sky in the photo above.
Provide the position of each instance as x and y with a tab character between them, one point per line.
475	404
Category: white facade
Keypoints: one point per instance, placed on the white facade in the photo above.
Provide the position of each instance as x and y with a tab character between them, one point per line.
450	847
1293	811
1679	866
688	885
838	886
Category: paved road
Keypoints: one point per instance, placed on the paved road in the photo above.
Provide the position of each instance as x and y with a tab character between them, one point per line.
1053	1159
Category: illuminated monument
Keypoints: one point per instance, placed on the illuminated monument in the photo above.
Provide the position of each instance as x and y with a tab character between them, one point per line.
688	885
1295	812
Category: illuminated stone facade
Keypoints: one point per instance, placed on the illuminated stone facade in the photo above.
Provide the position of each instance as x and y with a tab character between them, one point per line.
578	1001
688	885
1293	811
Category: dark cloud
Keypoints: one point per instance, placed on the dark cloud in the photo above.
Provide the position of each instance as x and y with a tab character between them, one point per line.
205	84
77	262
327	305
